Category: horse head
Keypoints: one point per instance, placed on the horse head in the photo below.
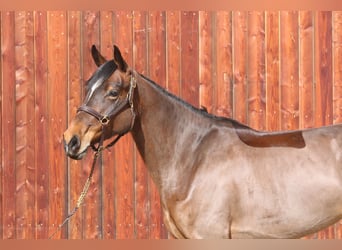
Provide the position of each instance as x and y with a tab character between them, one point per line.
107	109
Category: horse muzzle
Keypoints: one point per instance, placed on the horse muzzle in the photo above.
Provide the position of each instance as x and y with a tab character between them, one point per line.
73	148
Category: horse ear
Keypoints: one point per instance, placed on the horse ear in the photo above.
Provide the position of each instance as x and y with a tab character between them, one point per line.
120	62
98	58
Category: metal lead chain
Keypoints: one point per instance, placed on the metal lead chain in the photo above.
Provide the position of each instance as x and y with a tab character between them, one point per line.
97	152
81	197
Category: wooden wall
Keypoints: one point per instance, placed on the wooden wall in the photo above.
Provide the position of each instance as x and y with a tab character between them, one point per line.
271	70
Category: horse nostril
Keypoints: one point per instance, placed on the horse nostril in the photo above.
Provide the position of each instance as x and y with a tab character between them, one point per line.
74	144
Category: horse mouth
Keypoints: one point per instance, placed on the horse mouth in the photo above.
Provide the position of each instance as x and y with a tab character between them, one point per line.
78	156
75	155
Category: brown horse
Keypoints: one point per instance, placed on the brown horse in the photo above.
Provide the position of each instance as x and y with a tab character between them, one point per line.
217	178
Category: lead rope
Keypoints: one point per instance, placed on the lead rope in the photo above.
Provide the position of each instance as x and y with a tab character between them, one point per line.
86	186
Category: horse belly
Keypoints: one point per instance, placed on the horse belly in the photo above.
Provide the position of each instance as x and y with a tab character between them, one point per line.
290	229
187	222
204	213
289	209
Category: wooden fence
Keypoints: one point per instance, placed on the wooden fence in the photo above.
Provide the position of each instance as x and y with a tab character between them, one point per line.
270	70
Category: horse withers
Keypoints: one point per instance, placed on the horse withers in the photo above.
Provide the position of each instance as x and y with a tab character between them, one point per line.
216	177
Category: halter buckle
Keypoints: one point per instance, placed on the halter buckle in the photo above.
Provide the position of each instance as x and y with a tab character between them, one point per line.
104	120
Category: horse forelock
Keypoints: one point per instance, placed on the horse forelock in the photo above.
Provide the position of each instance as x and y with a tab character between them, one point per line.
100	75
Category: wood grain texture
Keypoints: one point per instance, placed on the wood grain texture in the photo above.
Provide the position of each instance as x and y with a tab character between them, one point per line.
57	108
306	62
323	68
41	125
223	64
272	70
25	169
289	70
206	61
190	57
173	39
8	126
256	70
240	66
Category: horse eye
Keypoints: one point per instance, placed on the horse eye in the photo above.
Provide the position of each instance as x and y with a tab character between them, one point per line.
113	93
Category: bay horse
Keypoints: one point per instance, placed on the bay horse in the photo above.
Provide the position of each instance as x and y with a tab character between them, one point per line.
217	178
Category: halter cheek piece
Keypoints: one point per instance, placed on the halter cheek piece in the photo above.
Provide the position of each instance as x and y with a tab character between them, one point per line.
106	118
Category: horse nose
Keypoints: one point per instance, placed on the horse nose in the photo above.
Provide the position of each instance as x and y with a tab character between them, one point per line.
73	145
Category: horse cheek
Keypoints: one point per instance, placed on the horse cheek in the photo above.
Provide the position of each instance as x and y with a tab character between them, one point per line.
122	122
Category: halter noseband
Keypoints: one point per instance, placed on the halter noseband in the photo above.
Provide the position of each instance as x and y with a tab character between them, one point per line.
105	119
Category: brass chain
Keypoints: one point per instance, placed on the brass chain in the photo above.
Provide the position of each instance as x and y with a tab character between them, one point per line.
82	195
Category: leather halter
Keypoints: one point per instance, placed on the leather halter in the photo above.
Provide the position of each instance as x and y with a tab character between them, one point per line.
106	118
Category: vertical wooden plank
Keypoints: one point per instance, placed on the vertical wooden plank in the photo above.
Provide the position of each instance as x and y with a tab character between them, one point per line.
240	65
272	71
306	59
140	64
108	198
8	125
25	91
224	64
323	68
41	124
206	62
173	41
190	57
157	72
75	87
124	162
57	94
323	79
92	208
337	67
256	70
289	70
157	47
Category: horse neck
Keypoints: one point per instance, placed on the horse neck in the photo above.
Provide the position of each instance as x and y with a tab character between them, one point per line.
162	126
